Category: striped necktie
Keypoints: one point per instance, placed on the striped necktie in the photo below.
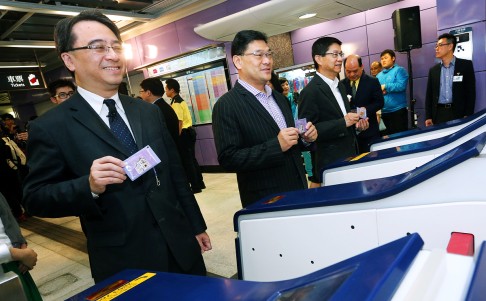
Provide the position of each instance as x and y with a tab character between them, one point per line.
119	127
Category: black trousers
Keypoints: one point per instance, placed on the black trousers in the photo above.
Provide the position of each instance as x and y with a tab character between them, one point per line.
396	122
187	145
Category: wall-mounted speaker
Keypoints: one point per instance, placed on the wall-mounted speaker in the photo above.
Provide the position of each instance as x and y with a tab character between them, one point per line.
406	24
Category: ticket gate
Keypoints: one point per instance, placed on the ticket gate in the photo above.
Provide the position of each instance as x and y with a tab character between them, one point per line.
397	160
428	133
292	234
394	271
11	287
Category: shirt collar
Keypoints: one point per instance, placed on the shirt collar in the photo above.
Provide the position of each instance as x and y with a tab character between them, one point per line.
333	83
255	91
96	101
452	63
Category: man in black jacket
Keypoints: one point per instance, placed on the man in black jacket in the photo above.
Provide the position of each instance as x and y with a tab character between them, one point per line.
365	94
152	91
451	87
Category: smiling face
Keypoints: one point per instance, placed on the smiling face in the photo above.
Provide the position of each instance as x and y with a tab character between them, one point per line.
255	70
100	73
330	63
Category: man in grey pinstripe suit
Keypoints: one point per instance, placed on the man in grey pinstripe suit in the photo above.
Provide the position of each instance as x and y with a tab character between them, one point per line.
253	127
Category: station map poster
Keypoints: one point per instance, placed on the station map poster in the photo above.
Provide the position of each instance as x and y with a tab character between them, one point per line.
201	90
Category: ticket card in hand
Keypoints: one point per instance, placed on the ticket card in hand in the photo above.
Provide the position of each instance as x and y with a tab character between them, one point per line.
361	112
140	162
300	125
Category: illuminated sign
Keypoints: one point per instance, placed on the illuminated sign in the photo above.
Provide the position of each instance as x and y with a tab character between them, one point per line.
20	81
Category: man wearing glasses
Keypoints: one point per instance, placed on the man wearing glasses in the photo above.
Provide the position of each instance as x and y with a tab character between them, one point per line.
77	152
325	103
451	86
253	127
60	90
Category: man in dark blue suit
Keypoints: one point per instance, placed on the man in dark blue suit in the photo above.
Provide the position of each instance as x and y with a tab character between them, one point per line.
76	161
365	93
451	86
253	127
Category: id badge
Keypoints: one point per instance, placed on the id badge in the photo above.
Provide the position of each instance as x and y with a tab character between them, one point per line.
140	162
300	125
457	78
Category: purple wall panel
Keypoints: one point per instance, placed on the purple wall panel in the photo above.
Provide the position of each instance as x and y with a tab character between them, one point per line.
354	41
208	152
327	28
234	6
164	40
454	13
204	131
302	52
419	89
136	60
480	91
428	25
380	36
422	60
188	39
385	12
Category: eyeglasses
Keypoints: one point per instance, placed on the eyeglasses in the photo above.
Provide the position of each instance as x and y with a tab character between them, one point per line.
63	95
260	55
440	45
334	54
141	91
101	48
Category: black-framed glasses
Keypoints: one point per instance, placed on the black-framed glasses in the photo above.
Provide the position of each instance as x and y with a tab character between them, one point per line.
63	95
101	48
334	54
260	55
441	44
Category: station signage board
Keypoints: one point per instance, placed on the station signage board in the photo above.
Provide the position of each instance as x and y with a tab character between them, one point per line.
20	80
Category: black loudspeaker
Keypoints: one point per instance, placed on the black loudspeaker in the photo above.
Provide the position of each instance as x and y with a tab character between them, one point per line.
406	24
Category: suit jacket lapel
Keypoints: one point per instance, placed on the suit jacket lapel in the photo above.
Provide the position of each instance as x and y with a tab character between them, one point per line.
342	89
84	114
134	119
255	104
324	87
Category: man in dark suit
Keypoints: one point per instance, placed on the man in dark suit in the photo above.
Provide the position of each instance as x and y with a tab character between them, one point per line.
76	164
324	102
253	127
152	91
451	86
365	93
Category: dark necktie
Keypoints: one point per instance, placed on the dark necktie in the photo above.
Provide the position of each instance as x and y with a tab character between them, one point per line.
119	127
353	88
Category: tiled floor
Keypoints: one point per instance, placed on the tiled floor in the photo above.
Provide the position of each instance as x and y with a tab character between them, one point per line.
62	270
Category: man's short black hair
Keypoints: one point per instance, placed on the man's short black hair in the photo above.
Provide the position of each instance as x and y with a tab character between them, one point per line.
58	83
154	85
245	37
450	39
173	84
388	51
63	32
7	116
321	46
